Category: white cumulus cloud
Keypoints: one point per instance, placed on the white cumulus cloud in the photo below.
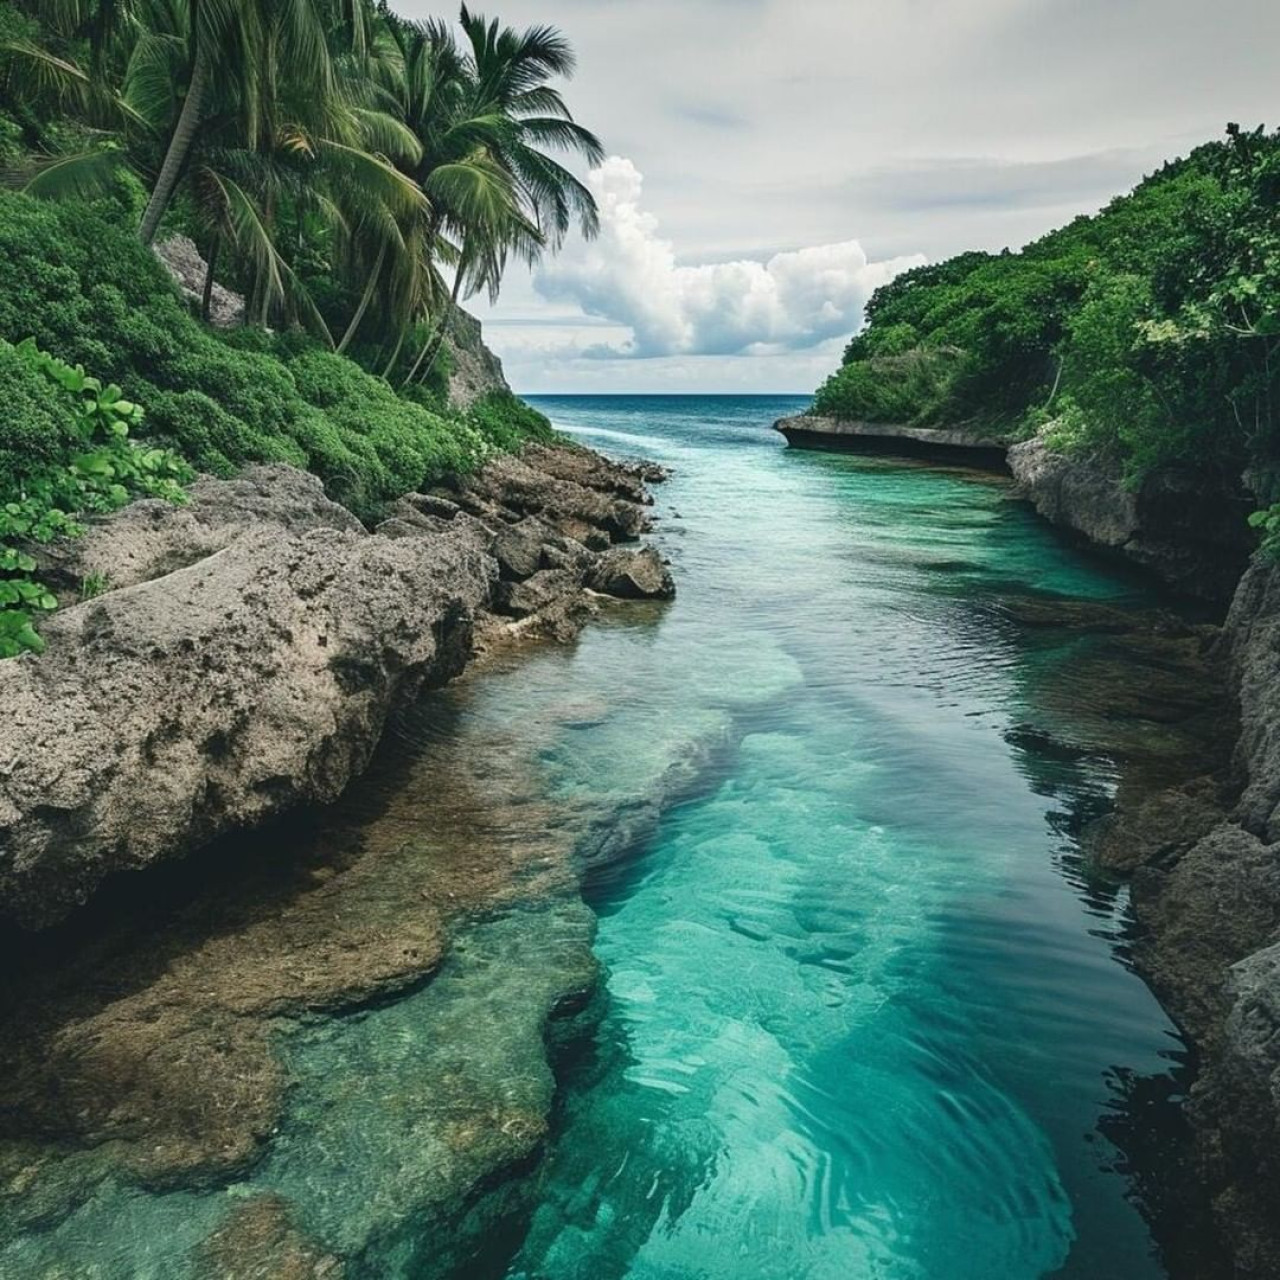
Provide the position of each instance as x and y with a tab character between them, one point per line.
629	275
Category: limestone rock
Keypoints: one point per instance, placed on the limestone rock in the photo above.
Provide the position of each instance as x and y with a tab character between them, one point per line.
151	538
1252	641
258	678
475	371
188	268
518	548
521	486
1218	904
543	589
1155	829
251	643
1188	528
632	575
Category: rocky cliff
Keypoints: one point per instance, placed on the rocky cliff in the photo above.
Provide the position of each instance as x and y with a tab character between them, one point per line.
1204	855
1190	529
1207	898
474	371
252	643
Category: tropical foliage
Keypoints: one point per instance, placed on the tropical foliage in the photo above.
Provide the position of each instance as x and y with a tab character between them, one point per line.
353	175
1150	332
320	152
65	450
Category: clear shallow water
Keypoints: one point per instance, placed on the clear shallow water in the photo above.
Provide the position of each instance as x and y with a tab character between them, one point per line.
863	1015
864	1026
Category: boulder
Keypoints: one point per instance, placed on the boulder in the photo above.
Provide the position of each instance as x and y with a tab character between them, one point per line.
258	678
1218	903
632	575
518	548
188	269
541	591
151	538
595	514
1251	641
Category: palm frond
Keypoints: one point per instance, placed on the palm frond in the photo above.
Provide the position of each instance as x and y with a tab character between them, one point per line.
84	175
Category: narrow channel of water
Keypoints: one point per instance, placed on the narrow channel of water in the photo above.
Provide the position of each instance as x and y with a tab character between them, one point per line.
864	1014
866	1022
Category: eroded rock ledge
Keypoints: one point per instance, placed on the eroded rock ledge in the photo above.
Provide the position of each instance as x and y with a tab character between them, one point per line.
1206	894
251	644
1190	530
940	444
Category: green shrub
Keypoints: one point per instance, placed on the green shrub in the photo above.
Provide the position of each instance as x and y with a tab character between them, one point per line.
505	421
75	276
1149	332
65	451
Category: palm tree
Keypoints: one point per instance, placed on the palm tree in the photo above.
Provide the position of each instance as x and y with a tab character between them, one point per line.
509	112
511	71
249	45
400	154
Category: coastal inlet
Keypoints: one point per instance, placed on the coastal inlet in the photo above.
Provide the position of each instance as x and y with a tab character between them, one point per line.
775	953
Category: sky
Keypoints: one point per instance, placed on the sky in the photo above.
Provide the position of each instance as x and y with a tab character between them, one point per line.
772	161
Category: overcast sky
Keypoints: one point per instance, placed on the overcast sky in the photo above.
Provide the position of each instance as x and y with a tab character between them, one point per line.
772	161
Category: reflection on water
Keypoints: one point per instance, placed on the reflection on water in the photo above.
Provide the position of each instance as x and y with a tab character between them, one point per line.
865	1012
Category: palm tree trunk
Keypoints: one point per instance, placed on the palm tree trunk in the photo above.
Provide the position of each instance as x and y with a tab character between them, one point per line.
431	348
442	331
207	297
179	145
364	301
395	355
422	355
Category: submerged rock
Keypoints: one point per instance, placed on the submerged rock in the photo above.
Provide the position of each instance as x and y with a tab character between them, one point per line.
260	1241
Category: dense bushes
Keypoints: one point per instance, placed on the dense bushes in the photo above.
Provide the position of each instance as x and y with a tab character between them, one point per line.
1150	332
73	276
65	450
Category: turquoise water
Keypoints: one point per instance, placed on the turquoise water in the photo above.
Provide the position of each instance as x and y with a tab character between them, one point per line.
861	1023
863	1016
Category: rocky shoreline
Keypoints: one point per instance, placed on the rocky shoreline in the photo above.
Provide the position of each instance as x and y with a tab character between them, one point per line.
252	643
1204	853
1201	850
253	648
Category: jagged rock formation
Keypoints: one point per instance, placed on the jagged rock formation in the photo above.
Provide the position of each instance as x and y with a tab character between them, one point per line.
252	644
1204	854
1189	529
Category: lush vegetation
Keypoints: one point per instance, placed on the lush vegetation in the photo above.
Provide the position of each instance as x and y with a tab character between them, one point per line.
65	450
322	153
351	174
1150	332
